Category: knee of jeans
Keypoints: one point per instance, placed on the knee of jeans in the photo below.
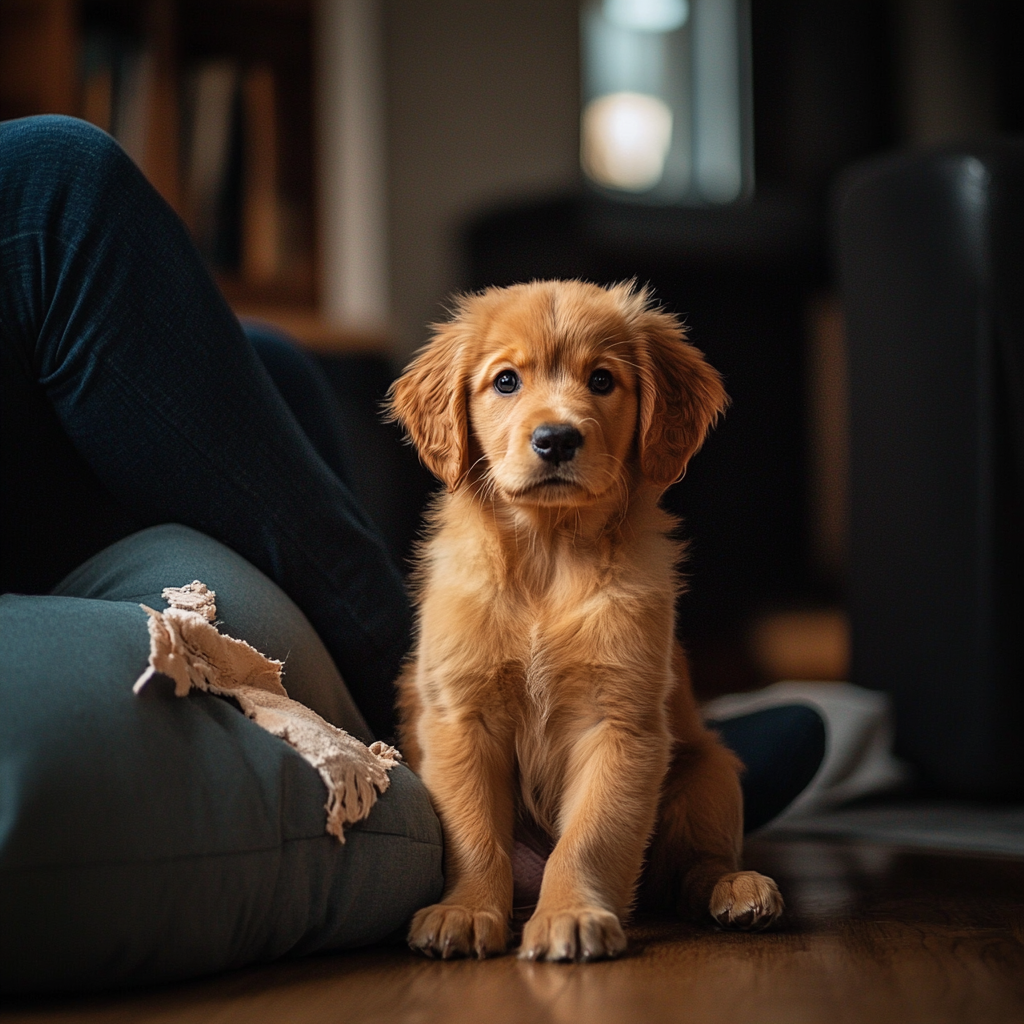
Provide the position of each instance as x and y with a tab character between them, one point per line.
62	143
286	363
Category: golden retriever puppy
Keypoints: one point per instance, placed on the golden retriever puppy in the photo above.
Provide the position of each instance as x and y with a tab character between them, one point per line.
546	686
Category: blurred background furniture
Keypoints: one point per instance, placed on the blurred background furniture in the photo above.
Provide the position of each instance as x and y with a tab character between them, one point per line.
931	256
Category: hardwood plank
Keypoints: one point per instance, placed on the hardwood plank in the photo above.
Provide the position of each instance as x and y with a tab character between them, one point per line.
876	934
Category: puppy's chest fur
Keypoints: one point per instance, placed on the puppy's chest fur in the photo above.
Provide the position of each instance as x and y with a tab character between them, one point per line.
543	637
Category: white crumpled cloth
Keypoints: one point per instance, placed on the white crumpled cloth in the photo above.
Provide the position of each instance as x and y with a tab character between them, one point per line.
186	646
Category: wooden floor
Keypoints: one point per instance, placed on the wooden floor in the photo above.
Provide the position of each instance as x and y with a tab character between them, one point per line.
876	934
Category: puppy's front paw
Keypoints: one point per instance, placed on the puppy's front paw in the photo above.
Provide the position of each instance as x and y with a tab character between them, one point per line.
448	930
584	934
746	900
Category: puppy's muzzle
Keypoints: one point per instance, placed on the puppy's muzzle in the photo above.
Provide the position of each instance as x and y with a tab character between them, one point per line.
556	442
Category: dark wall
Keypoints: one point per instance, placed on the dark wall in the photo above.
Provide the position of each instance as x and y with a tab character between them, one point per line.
824	86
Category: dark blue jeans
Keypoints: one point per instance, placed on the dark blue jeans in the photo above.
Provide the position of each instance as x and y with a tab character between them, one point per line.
131	397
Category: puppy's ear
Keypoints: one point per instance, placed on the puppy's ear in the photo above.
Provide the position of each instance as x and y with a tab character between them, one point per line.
429	400
681	396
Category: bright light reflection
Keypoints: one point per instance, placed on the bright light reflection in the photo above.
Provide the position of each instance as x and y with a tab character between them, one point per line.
647	15
625	139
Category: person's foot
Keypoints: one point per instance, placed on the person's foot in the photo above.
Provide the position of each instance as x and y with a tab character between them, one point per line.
782	749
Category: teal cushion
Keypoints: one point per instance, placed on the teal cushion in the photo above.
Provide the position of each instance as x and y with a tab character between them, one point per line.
150	838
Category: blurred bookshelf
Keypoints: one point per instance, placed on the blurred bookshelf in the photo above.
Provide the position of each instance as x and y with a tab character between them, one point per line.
213	99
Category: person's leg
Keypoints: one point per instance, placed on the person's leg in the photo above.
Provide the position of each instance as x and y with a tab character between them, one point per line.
107	312
307	392
782	749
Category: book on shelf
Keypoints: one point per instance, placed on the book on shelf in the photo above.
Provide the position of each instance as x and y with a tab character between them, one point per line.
231	168
131	111
210	121
261	202
127	89
222	168
98	80
116	78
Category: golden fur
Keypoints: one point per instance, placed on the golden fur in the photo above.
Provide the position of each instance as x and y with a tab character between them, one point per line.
546	683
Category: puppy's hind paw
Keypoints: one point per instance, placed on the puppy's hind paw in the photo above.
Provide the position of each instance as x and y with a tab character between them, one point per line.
746	900
447	930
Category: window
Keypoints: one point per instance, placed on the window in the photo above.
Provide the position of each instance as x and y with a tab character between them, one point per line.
666	99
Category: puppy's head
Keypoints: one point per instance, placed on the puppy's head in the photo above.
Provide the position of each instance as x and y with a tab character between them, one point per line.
552	392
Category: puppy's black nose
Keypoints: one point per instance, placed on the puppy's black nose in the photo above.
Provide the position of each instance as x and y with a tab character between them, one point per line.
556	442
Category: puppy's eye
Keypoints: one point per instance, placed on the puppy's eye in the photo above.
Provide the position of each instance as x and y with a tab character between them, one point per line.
506	382
601	382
